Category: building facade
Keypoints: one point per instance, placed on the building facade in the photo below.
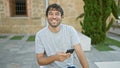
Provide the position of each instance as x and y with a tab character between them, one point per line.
28	16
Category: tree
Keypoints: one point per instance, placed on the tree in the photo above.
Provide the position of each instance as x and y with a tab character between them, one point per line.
119	6
96	13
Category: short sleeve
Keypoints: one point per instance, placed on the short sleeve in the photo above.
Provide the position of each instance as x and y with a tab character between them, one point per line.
39	48
75	39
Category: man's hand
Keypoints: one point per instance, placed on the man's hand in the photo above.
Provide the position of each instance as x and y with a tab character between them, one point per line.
61	56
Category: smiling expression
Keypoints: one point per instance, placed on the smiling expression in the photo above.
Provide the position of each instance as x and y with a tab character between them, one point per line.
54	17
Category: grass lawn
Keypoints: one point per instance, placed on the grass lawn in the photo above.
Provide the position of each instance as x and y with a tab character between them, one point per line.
16	38
31	38
104	46
113	42
3	37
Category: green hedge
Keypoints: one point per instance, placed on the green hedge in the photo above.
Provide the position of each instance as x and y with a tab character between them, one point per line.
96	13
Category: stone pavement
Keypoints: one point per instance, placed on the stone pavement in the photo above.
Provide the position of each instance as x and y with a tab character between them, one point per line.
17	53
20	53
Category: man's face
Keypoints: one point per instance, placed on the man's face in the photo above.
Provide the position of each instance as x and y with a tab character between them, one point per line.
54	18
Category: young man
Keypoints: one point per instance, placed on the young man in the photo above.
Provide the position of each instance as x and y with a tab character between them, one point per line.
54	40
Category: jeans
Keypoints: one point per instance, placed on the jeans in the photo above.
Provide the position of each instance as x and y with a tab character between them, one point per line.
71	67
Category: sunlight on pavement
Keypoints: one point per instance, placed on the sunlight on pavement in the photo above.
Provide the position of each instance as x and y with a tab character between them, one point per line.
112	64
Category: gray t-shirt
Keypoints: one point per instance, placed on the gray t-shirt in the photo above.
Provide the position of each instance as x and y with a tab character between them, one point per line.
49	43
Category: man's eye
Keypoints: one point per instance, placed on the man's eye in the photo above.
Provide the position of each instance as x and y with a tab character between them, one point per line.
50	13
57	14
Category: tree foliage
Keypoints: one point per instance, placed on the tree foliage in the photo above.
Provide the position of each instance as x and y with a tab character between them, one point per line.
96	13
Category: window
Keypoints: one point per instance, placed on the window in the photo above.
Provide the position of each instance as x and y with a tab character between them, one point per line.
18	8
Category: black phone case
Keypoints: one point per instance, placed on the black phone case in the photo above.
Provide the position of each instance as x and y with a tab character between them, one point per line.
70	51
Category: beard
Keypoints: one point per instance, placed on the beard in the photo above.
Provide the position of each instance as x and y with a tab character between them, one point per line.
54	25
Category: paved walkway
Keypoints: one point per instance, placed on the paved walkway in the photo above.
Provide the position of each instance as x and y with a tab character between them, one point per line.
17	53
20	54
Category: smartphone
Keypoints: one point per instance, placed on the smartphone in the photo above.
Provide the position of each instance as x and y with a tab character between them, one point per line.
70	51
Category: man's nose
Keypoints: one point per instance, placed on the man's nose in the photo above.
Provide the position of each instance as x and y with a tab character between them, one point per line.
54	16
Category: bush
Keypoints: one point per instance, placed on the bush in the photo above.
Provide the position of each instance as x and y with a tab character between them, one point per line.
96	13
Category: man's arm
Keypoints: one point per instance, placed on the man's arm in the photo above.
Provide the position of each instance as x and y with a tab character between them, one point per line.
42	60
81	56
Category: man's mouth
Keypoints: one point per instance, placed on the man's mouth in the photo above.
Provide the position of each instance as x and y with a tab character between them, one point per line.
54	20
